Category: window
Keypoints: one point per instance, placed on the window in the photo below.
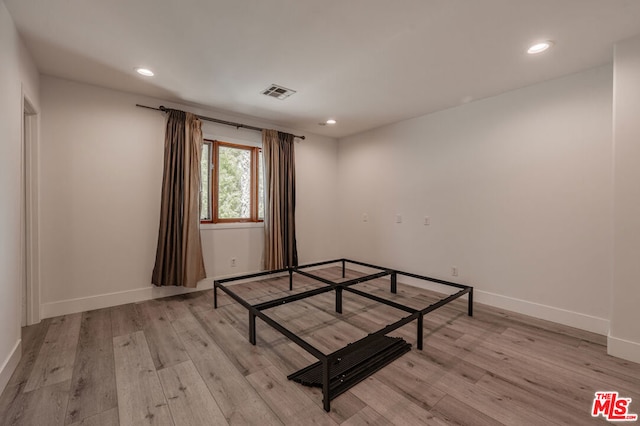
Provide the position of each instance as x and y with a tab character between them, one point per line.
232	183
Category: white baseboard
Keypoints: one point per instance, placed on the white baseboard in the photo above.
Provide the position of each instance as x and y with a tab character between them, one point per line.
545	312
624	349
99	301
536	310
10	364
106	300
532	309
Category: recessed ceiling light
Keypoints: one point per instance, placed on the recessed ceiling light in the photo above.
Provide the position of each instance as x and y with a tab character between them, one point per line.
145	71
539	47
331	121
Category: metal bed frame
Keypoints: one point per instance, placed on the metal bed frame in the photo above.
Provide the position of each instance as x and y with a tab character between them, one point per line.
339	382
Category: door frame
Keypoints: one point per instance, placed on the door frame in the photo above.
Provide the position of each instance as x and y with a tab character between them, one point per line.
30	212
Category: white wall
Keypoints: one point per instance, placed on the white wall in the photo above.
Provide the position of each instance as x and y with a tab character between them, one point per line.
101	176
624	337
18	78
518	191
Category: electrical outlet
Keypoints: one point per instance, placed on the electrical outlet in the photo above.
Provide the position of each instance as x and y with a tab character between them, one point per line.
454	271
365	217
398	218
234	262
427	221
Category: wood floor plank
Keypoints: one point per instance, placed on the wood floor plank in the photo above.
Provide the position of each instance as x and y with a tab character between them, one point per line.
165	347
290	405
93	384
408	377
585	379
488	403
546	406
366	417
325	333
189	400
342	408
496	366
237	399
547	351
125	319
393	406
523	335
246	357
175	307
56	357
537	377
248	291
43	406
33	337
199	300
558	331
141	400
455	412
268	289
281	352
616	367
287	357
441	341
321	329
106	418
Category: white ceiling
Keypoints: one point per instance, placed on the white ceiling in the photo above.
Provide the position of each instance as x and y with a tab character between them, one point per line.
365	63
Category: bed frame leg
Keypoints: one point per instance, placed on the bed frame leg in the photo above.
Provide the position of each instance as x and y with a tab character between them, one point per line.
290	279
215	296
470	309
326	399
339	300
394	283
420	331
343	268
252	328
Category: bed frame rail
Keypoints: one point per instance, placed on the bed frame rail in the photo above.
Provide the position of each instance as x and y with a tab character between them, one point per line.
338	371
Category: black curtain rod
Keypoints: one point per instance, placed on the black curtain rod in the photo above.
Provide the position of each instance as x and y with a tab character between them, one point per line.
216	120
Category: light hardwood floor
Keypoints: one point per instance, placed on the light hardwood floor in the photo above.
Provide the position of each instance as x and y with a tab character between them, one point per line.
177	361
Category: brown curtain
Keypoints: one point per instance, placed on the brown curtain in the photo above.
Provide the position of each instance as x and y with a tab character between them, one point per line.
280	200
179	254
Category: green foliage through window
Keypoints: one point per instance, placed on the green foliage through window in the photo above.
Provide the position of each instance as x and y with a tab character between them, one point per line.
205	189
232	183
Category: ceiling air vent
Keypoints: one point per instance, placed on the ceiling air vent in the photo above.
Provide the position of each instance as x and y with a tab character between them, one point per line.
278	92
